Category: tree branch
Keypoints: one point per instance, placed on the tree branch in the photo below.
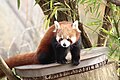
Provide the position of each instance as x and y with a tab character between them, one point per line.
7	70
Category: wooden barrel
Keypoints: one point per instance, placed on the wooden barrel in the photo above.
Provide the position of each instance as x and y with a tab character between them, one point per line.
93	66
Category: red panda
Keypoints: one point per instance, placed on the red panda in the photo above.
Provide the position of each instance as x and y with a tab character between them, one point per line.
54	46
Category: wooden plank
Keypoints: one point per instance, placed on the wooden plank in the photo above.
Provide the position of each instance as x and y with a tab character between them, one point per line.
89	57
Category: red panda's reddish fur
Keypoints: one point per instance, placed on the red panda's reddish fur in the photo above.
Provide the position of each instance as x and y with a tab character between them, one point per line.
20	59
31	58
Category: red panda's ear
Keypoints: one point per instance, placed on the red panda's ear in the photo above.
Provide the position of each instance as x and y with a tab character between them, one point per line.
57	26
75	26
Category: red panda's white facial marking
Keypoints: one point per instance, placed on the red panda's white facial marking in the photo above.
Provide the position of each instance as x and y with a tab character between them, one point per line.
73	39
65	43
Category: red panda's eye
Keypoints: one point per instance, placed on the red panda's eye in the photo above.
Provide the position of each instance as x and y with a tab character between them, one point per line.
69	40
60	39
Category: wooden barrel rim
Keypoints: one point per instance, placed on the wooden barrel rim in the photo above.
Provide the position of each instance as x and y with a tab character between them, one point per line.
90	57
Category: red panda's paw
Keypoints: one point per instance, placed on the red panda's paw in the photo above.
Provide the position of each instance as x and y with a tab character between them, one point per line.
75	63
62	61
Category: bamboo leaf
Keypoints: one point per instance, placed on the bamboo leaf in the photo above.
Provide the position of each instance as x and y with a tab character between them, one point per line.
51	4
63	9
18	3
95	1
56	15
82	1
47	23
110	33
59	4
91	10
98	15
97	9
67	5
47	3
37	1
109	19
77	1
54	11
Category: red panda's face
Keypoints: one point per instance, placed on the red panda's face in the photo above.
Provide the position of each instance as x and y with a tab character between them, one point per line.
66	34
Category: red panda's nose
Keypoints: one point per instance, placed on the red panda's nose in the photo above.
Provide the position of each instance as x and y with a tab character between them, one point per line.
64	45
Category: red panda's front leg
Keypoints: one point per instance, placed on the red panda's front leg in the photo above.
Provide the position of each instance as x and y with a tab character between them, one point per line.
75	52
60	52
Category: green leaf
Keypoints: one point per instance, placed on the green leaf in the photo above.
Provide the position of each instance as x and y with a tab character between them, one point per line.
59	4
110	33
45	4
97	9
63	9
54	11
37	1
67	5
82	1
56	15
18	2
91	10
109	19
47	23
98	15
51	4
